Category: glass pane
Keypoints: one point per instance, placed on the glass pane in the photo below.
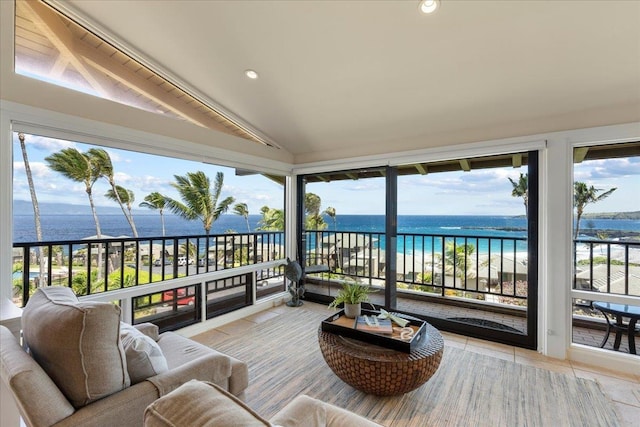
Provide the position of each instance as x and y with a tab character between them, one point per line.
51	47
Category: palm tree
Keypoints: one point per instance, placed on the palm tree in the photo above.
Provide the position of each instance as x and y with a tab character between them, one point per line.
199	201
34	202
155	201
102	162
582	196
521	189
79	167
125	197
314	220
460	257
242	210
312	204
272	219
331	213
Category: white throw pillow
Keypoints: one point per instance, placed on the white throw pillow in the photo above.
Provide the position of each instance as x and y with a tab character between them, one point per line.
144	356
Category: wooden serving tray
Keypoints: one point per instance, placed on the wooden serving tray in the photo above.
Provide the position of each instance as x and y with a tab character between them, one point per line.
339	324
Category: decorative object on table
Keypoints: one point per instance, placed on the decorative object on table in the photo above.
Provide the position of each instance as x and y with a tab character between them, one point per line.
395	319
293	272
352	295
401	339
373	324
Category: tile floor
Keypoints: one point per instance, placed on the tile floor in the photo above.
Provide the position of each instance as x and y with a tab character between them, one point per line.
622	388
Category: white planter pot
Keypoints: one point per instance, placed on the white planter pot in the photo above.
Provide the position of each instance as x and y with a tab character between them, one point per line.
352	310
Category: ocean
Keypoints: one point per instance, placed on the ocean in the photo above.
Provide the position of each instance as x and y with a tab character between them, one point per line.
75	227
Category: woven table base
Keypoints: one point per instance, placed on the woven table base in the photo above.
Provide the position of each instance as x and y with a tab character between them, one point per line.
378	370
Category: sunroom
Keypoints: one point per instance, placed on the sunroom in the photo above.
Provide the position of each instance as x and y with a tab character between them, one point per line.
404	96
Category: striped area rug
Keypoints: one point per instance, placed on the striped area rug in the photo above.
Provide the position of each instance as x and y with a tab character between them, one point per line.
468	389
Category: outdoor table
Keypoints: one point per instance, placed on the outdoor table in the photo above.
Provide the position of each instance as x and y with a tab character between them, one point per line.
620	311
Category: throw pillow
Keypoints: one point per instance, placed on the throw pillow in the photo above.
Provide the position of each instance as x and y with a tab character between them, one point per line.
76	343
202	404
144	356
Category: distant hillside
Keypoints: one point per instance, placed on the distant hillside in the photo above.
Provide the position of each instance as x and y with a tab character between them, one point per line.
612	215
22	207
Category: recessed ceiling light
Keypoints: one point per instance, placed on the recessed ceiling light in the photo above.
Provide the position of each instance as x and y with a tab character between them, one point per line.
429	6
251	74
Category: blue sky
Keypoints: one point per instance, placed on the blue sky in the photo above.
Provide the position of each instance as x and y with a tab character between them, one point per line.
486	192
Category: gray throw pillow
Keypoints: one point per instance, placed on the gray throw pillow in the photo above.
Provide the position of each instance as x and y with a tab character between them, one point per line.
144	356
76	343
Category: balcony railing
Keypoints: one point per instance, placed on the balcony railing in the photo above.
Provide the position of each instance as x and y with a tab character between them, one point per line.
486	268
607	266
99	265
154	279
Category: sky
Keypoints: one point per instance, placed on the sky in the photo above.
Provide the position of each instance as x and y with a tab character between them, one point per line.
141	173
479	192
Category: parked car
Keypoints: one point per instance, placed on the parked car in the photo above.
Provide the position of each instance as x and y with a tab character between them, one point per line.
182	260
159	263
201	261
185	296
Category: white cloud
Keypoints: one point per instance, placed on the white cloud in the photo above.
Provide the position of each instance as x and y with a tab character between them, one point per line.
49	145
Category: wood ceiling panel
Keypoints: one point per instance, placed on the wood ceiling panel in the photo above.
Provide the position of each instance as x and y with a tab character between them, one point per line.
43	35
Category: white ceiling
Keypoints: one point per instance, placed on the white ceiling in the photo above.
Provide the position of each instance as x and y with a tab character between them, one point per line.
348	78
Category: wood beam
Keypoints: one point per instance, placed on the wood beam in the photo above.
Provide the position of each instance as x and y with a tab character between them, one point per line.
516	160
465	165
94	65
579	154
353	176
58	67
60	37
422	169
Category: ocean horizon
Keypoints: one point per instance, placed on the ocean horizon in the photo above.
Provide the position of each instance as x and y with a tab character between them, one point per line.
76	227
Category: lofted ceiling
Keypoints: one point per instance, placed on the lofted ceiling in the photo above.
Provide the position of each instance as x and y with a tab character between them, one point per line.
355	78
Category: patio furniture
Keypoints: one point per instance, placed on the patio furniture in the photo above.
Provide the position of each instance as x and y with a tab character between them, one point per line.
378	370
620	311
203	404
83	368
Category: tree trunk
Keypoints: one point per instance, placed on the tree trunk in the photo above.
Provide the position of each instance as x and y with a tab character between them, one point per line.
36	208
99	236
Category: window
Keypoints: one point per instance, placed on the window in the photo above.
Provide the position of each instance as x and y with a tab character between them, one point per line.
51	47
97	218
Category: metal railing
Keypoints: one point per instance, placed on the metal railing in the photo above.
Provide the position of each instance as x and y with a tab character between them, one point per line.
607	266
101	265
446	265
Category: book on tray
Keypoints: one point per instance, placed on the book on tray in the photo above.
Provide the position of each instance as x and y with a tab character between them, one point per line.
373	324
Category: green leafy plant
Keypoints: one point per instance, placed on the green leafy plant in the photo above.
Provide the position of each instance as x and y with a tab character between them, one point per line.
351	293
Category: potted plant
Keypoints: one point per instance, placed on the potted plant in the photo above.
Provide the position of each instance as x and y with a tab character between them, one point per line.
352	295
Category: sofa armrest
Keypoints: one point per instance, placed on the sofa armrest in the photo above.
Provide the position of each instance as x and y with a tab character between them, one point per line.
37	397
149	329
309	412
126	406
214	367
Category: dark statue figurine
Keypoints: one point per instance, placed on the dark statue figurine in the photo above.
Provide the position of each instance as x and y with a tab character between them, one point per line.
293	272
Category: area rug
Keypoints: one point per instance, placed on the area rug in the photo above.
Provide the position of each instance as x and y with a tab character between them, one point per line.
468	389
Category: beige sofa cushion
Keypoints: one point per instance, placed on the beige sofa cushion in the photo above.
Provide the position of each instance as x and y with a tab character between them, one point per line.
144	356
309	412
76	343
202	404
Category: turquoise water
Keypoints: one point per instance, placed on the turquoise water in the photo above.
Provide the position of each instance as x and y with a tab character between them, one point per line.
63	227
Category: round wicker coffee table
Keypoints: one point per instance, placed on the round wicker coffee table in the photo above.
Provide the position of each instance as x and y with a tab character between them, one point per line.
378	370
